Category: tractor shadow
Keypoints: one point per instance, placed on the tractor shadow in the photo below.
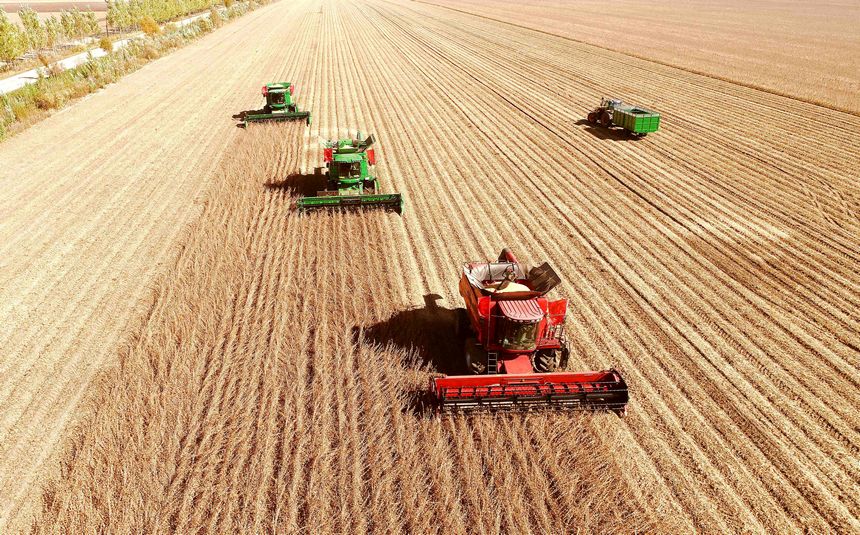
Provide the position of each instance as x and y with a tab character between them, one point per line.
299	184
613	134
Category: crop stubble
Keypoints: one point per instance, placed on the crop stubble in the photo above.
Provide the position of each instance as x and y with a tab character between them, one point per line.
92	203
714	262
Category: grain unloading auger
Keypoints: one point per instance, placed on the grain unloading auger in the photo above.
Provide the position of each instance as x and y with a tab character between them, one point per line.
279	106
350	179
516	343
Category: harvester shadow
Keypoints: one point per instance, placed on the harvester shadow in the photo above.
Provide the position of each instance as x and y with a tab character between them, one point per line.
600	132
429	334
428	331
242	114
299	184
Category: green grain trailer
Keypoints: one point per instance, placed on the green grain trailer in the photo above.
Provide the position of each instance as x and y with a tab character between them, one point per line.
636	120
350	180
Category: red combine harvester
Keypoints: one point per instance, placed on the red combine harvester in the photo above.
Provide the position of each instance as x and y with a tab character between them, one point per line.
516	343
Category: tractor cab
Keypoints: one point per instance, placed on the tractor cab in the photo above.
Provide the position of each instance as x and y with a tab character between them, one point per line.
348	167
610	103
278	95
349	160
277	99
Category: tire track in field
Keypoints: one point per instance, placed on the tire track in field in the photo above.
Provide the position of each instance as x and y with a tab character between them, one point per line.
434	143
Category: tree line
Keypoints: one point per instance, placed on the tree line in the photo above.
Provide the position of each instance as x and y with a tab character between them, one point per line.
34	35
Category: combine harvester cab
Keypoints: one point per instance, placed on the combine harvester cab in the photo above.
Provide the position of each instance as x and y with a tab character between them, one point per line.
516	344
279	106
350	180
635	120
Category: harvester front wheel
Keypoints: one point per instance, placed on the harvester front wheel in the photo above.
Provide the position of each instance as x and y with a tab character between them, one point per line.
550	360
476	357
592	117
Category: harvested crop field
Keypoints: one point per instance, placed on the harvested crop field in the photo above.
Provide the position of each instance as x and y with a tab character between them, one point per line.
260	369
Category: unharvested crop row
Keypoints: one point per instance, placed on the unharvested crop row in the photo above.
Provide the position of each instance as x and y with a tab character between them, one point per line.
88	229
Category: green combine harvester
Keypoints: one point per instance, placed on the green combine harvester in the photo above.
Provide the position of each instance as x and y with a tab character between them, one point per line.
279	106
350	179
613	112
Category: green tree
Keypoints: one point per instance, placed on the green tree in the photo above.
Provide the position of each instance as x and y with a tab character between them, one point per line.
33	29
118	15
90	22
79	22
53	31
67	22
13	42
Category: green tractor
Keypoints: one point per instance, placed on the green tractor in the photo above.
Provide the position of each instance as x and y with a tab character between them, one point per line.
279	106
613	112
350	179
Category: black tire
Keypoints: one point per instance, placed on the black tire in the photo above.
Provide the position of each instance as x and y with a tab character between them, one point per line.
551	360
546	360
592	117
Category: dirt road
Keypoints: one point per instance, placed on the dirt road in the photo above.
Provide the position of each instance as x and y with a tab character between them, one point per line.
714	262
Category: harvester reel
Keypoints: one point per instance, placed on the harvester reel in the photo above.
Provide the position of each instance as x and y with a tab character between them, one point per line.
476	357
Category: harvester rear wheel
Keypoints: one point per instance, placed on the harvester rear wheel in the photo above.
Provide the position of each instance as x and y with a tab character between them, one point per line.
606	119
476	357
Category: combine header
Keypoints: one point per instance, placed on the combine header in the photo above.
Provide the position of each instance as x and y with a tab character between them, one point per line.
279	106
516	344
613	112
350	179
